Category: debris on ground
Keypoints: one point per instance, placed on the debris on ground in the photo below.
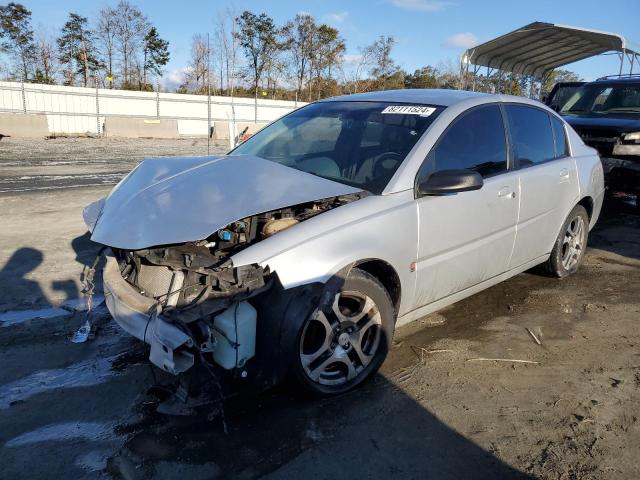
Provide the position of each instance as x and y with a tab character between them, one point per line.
533	335
511	360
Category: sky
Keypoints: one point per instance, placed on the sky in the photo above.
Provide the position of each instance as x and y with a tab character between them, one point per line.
427	31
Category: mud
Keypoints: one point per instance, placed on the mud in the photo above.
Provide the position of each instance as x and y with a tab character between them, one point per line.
87	411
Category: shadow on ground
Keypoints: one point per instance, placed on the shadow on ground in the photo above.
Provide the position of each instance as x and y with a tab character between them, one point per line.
20	289
616	218
375	432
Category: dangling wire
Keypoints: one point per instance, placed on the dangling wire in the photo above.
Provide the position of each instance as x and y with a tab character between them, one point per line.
220	393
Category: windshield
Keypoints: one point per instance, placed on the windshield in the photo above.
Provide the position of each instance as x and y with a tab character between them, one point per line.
360	144
605	99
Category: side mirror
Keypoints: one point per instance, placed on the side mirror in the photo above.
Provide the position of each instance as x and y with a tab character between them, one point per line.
450	181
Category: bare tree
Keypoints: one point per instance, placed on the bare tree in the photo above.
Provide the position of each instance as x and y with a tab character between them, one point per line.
383	65
228	47
298	41
275	70
130	28
198	72
106	35
46	57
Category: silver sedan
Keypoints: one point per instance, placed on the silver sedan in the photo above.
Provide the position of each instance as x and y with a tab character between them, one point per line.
300	252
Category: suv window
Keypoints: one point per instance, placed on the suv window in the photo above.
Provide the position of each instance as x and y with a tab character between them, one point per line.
475	141
531	134
560	136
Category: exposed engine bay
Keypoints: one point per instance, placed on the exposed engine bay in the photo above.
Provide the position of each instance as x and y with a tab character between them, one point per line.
195	289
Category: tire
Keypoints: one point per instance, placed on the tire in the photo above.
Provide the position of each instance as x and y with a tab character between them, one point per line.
570	246
341	346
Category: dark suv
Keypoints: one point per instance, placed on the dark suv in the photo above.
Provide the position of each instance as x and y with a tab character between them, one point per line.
606	114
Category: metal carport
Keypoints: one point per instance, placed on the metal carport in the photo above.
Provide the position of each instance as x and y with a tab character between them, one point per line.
536	49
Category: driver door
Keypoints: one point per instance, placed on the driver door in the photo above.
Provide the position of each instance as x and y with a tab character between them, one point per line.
467	237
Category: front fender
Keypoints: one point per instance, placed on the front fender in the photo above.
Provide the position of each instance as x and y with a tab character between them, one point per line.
377	227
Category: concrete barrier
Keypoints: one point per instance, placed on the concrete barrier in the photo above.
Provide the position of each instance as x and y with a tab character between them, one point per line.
140	128
221	130
252	128
23	125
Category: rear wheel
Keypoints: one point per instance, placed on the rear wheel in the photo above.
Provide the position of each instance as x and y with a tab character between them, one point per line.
344	344
568	251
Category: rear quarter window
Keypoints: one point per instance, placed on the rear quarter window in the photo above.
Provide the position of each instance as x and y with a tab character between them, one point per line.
531	134
560	137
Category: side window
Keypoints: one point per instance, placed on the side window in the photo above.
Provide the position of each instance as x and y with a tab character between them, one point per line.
560	136
476	141
531	134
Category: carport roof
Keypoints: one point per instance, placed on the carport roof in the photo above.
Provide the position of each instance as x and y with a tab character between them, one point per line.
540	47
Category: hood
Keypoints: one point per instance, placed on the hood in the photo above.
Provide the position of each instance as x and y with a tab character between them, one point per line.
176	200
615	124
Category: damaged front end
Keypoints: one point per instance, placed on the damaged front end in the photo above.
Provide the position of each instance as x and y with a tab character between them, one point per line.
189	302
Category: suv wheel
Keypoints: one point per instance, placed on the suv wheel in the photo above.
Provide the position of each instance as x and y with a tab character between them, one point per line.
568	251
342	345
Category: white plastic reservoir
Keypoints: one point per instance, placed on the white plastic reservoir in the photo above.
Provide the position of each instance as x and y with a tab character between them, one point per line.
240	318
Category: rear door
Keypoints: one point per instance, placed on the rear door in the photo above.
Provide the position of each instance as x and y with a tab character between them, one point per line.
467	237
548	181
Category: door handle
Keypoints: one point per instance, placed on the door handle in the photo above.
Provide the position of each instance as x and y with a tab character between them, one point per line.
506	192
564	173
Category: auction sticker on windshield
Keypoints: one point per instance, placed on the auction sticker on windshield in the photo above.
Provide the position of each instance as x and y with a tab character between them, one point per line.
409	110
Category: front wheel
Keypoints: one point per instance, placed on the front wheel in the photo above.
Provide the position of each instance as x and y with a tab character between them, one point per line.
568	251
344	344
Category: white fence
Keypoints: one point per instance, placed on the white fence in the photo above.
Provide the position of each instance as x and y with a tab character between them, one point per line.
78	110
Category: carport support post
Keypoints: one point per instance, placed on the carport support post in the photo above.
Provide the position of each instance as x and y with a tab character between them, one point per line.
97	107
208	98
24	98
158	98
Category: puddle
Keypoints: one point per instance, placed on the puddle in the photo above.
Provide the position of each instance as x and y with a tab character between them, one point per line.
86	431
16	317
81	374
94	460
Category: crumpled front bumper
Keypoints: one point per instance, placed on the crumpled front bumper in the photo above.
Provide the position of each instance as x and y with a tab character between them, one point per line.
140	316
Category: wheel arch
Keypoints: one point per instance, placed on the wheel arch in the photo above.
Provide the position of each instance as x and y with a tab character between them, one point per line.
588	204
386	275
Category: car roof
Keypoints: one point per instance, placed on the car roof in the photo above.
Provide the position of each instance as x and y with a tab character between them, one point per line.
428	96
616	81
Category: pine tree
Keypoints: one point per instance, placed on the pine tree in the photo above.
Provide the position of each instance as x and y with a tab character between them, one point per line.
17	37
77	49
156	54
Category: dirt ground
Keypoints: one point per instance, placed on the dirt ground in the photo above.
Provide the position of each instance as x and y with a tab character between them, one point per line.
436	410
44	185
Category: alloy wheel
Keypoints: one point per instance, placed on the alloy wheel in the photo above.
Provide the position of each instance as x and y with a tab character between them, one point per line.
338	344
573	242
